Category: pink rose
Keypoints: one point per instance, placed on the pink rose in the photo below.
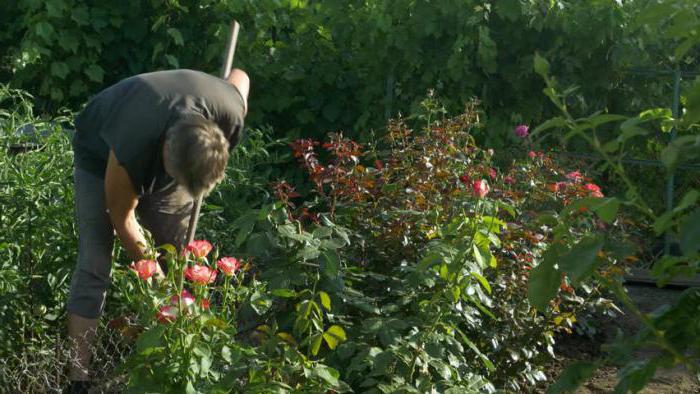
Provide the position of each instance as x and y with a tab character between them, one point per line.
228	265
167	314
492	173
574	176
144	268
522	131
594	190
199	248
200	274
509	180
480	188
532	154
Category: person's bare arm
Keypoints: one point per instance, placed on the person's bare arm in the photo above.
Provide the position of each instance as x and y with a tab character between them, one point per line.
240	80
121	201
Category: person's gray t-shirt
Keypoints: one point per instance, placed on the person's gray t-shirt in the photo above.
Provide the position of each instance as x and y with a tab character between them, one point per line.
132	116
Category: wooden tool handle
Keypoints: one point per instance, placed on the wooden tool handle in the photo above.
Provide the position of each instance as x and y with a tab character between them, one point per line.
225	71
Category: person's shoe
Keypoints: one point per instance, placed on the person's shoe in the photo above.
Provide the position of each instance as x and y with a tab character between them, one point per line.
78	387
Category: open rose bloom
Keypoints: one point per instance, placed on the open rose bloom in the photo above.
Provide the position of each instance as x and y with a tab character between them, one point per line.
200	274
228	265
199	248
144	268
594	190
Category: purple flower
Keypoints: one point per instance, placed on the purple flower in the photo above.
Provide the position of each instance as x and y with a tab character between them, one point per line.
522	131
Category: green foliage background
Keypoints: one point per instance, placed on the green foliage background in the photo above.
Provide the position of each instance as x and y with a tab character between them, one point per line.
328	65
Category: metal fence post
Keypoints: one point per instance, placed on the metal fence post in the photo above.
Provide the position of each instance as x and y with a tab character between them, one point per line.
670	182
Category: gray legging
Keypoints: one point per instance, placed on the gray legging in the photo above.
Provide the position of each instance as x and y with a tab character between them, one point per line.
165	214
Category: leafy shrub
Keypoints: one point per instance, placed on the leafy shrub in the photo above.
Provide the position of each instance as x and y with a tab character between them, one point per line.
369	61
420	275
37	249
671	329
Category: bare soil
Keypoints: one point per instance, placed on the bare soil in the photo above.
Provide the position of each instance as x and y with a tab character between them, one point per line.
579	348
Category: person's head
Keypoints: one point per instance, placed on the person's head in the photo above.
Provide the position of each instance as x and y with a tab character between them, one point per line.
195	153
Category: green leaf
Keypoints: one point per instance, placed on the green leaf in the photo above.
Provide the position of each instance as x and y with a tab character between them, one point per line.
338	332
598	120
55	8
330	263
480	259
545	279
245	224
169	249
172	61
605	208
283	293
325	300
150	339
689	235
541	66
327	374
316	341
95	73
484	283
226	353
70	42
80	15
59	69
634	376
549	124
487	51
176	35
572	377
45	31
260	302
581	260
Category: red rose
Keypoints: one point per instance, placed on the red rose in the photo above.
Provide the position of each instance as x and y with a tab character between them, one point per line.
480	188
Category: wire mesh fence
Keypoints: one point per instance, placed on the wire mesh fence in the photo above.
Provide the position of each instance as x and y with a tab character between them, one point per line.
43	367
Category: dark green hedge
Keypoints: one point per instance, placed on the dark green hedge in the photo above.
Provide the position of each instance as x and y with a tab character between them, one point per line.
327	65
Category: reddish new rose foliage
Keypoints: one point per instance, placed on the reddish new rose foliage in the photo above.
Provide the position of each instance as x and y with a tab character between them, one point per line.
144	268
228	265
200	274
199	248
557	187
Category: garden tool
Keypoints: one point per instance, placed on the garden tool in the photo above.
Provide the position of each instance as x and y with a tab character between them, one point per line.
225	71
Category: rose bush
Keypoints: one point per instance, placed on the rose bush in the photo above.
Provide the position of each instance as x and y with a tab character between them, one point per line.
406	266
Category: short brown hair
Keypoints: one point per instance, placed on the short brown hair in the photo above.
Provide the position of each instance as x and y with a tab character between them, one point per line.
196	154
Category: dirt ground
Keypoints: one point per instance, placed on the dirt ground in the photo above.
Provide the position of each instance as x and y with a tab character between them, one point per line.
574	348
